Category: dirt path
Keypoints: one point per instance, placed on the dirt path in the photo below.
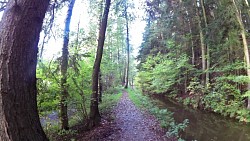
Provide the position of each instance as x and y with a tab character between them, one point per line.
133	125
129	124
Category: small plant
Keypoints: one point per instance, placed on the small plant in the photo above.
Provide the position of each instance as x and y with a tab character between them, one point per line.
187	101
67	132
175	129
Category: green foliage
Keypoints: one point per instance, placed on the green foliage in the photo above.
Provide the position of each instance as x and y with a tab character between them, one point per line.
48	87
137	99
173	60
79	88
109	100
227	99
174	132
114	90
195	87
79	84
246	94
67	132
196	92
190	101
162	72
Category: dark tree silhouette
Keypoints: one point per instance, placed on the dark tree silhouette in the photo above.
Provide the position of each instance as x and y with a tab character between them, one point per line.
94	115
19	35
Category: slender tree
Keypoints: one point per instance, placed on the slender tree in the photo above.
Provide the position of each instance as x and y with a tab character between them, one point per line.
203	47
19	35
127	43
245	46
94	115
206	45
64	68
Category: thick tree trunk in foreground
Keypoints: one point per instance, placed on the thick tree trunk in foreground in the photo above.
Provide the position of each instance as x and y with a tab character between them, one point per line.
64	68
127	42
94	114
19	35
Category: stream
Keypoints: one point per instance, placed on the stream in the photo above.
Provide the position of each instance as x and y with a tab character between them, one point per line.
206	126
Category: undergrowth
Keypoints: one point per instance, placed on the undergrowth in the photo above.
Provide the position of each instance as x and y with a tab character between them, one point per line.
109	99
164	116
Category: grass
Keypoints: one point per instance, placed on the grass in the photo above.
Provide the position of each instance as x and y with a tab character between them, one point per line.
136	97
164	116
109	101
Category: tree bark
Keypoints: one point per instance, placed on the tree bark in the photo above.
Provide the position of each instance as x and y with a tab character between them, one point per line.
192	42
203	48
100	87
206	45
128	50
19	35
124	74
94	115
248	10
64	68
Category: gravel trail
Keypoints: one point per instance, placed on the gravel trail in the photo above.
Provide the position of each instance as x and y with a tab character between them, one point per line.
128	124
133	125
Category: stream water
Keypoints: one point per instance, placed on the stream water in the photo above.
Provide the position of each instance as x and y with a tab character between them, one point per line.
206	126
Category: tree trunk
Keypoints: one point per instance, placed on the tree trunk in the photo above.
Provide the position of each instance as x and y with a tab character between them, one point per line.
192	42
245	47
203	48
124	73
100	87
19	35
94	114
248	8
128	50
207	46
64	68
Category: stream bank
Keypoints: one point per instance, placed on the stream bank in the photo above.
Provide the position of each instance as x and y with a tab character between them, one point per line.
206	126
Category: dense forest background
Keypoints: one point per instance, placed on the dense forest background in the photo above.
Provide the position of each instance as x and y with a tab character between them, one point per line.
197	52
193	51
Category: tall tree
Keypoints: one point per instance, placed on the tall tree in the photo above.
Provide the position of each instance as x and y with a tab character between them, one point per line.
19	35
203	47
207	45
127	43
245	46
94	115
64	68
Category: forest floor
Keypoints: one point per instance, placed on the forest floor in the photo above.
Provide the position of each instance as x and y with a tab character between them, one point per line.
126	123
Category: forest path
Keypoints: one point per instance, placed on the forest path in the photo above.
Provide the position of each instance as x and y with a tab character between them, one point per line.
128	124
134	125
